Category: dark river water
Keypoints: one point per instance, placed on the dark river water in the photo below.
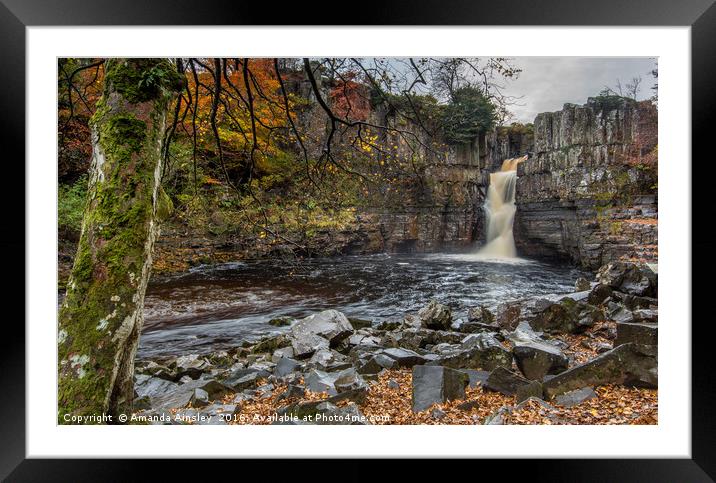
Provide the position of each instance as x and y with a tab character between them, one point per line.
219	306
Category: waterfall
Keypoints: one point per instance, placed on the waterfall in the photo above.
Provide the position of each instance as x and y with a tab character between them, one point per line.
500	211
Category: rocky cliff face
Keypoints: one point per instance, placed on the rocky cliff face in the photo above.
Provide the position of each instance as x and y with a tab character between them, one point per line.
589	192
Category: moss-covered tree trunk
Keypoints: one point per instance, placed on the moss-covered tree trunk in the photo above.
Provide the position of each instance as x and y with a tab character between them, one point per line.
101	317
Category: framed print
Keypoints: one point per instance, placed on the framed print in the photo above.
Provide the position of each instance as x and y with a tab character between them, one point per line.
435	233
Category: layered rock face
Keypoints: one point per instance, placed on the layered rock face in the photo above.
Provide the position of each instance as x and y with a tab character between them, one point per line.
589	192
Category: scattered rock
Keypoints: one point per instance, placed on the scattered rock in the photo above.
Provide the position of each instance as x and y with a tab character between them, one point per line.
318	331
536	359
436	384
627	364
270	344
632	278
505	381
286	366
435	316
281	321
476	378
578	396
403	357
531	390
644	334
599	294
199	398
481	315
360	323
566	316
582	284
477	351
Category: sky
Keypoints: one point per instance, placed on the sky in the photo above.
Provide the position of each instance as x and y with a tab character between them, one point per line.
547	83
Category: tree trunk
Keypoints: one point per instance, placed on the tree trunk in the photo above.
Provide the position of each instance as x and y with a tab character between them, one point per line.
101	317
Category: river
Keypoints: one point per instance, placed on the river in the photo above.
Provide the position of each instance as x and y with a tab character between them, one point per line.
219	306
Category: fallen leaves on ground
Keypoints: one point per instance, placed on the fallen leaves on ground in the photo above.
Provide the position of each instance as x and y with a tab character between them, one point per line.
389	401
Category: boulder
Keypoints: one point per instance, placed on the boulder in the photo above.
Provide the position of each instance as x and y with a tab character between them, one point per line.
578	396
435	316
628	364
582	284
270	344
359	323
282	352
320	381
599	294
240	379
566	316
309	333
476	351
537	359
505	381
476	378
286	366
403	357
639	333
436	384
632	278
281	321
481	315
199	398
191	365
531	390
326	358
148	386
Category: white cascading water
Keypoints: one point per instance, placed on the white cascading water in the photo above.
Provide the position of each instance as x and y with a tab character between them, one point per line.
500	211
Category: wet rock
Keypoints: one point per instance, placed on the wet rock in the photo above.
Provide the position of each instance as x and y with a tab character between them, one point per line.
566	316
215	389
582	284
573	398
390	325
241	379
281	321
481	315
282	352
435	316
477	351
359	323
191	365
505	381
632	278
364	339
199	398
436	384
327	358
403	357
639	333
292	391
476	378
531	390
319	381
627	364
286	366
599	294
412	321
150	386
270	344
536	359
318	331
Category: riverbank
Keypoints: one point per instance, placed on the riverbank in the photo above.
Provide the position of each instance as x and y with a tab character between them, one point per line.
587	357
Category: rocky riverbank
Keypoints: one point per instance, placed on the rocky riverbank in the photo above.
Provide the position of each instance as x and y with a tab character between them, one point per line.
589	357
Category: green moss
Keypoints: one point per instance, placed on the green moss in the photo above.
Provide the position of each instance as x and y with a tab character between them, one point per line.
141	80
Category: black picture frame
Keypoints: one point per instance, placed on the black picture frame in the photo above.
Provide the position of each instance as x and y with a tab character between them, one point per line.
16	15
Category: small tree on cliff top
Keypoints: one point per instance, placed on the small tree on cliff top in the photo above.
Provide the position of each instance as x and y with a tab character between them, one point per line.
469	113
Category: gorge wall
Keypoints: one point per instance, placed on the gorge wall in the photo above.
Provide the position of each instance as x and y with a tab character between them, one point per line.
589	192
